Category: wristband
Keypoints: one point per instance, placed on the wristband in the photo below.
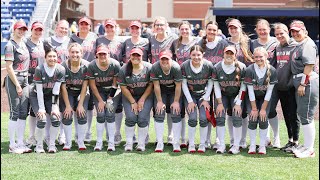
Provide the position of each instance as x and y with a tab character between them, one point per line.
304	80
55	99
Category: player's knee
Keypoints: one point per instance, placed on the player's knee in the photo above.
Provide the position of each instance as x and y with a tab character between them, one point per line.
220	121
130	122
192	122
55	121
272	114
263	125
236	121
41	124
252	125
176	118
82	120
143	124
101	119
203	122
159	118
66	122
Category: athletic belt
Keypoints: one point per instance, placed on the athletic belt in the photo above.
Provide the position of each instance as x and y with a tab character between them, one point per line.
74	88
21	73
199	92
313	75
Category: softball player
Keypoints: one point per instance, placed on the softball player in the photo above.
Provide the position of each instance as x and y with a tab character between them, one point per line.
75	95
285	90
103	73
59	42
242	43
115	46
87	40
44	97
166	77
182	47
197	85
269	43
36	52
260	79
229	93
134	80
159	42
306	83
16	83
213	47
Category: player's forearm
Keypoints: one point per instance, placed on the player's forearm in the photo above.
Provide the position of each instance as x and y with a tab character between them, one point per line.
94	90
127	94
177	93
148	91
83	92
157	91
64	93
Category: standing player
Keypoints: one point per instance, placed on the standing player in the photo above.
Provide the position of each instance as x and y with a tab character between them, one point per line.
242	43
166	77
160	41
306	83
285	90
36	51
114	45
75	96
269	43
103	73
260	79
134	80
229	93
44	97
59	42
182	47
197	86
16	83
87	40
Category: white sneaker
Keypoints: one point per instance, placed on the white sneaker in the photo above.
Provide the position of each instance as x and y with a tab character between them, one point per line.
221	149
252	149
81	146
117	139
147	139
243	145
25	149
98	146
170	141
184	143
141	147
202	148
234	150
128	147
296	149
31	142
15	149
134	140
305	154
191	148
67	146
159	147
268	143
276	143
52	149
61	139
111	147
215	146
207	145
87	138
176	147
262	150
46	141
39	149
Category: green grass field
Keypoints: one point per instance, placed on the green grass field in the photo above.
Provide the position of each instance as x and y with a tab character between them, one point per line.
149	165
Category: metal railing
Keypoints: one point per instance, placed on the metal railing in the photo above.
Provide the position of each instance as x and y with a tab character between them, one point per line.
49	20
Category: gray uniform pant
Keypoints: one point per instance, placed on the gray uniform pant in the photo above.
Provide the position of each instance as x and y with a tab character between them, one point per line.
143	117
228	103
104	116
167	99
19	106
192	122
253	124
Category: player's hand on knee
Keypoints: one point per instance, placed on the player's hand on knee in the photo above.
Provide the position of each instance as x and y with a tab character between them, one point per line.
263	115
205	104
67	114
191	107
175	106
220	110
160	107
237	110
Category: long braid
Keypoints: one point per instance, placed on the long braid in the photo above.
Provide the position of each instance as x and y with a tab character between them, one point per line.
244	40
237	66
268	73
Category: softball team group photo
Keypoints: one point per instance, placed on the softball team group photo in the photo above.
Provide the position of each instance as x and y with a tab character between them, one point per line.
209	84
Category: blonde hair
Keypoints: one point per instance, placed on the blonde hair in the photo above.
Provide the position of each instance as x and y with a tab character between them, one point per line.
159	18
265	53
262	21
76	45
280	26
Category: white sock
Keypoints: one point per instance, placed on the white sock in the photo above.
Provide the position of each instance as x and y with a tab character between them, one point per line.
38	134
221	134
183	128
76	124
230	128
89	120
118	120
252	134
309	133
68	133
245	122
191	134
268	133
81	132
61	127
237	135
142	134
208	139
12	126
47	127
53	134
21	124
169	123
274	123
32	125
159	127
129	134
106	127
176	128
100	128
263	136
203	134
111	132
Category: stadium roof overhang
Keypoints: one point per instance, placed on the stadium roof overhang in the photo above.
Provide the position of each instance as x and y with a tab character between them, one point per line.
268	12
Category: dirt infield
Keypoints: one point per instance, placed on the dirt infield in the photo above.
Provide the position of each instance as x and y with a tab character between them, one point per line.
5	107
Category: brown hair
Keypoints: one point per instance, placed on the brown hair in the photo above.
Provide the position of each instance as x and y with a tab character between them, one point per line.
180	37
204	38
